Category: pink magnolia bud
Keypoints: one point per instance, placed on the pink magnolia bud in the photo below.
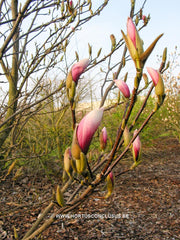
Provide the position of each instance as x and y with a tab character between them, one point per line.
136	147
78	68
70	3
103	138
157	80
133	42
154	74
131	31
87	127
111	177
144	18
123	87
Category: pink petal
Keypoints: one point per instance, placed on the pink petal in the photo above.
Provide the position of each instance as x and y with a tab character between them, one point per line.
131	30
154	74
87	127
78	68
123	87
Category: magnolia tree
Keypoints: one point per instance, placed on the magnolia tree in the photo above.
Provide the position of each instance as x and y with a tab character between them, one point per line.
80	171
35	37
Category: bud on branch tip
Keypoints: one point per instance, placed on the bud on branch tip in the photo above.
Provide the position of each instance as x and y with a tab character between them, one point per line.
123	87
135	44
154	75
157	80
78	68
136	147
103	138
110	184
87	127
67	162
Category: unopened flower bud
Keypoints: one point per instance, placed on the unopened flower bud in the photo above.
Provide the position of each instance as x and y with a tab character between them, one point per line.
62	6
59	197
81	164
154	75
157	80
71	91
164	55
73	77
127	137
90	49
75	148
113	41
145	77
67	162
136	148
143	17
99	52
123	87
137	20
70	6
135	45
110	184
71	3
87	127
103	138
78	68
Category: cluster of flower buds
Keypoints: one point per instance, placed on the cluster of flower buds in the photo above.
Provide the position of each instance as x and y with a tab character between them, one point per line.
135	45
73	77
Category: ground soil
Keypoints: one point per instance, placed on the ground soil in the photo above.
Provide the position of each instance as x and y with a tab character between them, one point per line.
145	203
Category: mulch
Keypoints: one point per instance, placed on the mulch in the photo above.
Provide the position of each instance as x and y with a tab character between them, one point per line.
145	203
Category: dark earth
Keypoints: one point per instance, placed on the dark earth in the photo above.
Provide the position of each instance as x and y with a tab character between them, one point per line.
144	205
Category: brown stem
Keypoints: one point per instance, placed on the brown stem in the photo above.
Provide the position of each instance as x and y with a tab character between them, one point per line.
74	193
120	131
142	108
121	173
89	169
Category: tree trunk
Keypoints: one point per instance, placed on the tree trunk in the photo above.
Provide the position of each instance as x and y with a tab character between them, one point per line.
12	78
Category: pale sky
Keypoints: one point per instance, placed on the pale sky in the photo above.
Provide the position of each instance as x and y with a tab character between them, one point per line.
165	18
